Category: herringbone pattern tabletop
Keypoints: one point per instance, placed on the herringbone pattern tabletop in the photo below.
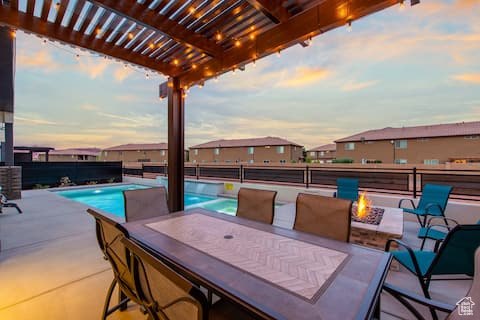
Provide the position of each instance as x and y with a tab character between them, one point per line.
297	266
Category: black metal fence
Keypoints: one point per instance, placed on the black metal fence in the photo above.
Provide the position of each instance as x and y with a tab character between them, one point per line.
37	174
407	180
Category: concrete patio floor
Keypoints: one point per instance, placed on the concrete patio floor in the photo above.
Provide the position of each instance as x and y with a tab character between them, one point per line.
51	266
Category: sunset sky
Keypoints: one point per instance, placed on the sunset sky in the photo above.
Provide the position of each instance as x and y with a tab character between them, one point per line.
396	68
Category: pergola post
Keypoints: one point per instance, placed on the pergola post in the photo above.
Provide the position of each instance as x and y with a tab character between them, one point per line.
7	84
176	136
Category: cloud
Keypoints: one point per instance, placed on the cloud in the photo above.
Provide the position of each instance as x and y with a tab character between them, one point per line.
352	86
121	73
132	120
468	77
305	76
92	66
38	59
32	120
88	107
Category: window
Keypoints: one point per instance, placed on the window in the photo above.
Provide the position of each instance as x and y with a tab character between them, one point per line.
105	153
283	161
250	161
423	139
350	146
143	160
471	137
400	161
228	161
216	151
266	161
164	161
215	160
250	150
162	153
280	149
312	153
120	153
430	161
195	152
400	144
294	148
203	161
322	153
194	161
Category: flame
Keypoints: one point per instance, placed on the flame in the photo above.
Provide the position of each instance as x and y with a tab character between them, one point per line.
363	205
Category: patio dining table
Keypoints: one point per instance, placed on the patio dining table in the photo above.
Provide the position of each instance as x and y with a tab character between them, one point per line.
275	273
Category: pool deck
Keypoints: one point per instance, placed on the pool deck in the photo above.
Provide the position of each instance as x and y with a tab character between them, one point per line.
51	266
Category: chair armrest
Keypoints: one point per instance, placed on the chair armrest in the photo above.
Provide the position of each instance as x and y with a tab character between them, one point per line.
442	219
398	292
436	225
410	252
411	202
432	205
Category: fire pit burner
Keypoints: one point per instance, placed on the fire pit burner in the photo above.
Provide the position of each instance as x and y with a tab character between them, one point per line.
374	216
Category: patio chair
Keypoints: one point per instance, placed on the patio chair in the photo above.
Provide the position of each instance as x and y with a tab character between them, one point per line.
4	203
432	203
454	257
431	231
167	295
347	189
109	233
256	204
145	203
324	216
404	296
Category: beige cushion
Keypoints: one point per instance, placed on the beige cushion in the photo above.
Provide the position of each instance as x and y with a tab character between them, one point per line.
255	204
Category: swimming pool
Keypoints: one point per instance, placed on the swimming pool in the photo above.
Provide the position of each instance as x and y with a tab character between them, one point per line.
110	199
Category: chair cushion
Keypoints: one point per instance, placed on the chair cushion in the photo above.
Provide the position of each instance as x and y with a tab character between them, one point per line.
224	310
433	234
424	259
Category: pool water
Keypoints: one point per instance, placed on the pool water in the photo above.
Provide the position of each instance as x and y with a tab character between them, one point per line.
110	199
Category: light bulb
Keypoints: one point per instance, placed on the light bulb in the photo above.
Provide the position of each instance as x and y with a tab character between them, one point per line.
349	26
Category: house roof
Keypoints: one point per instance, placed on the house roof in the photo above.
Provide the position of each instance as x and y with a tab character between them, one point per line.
81	151
430	131
139	146
325	147
252	142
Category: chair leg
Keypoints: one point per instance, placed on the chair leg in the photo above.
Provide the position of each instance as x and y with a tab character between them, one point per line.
420	221
425	284
18	208
423	243
105	312
122	300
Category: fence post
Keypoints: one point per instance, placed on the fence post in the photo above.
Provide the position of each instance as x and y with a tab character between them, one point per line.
241	173
143	169
307	177
165	170
197	171
414	182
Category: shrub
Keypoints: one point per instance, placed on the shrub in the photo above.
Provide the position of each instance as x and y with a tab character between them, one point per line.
65	182
342	160
41	186
91	182
111	180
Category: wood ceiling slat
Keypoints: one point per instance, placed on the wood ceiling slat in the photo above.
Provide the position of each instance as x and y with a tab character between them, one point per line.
76	13
61	11
122	30
197	5
173	8
111	27
153	40
46	9
90	14
30	23
148	18
30	6
322	17
218	20
273	9
102	19
161	5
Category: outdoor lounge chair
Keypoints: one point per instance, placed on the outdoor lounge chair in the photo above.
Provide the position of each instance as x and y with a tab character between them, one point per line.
324	216
256	204
432	203
109	233
454	257
167	295
4	203
347	189
145	203
455	312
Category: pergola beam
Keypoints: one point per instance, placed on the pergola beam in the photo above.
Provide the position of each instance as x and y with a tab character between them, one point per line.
273	9
142	15
323	17
30	23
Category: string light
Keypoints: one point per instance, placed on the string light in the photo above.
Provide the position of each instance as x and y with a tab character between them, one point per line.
147	76
77	57
191	10
44	42
175	62
98	31
309	42
201	84
194	66
349	25
254	63
215	79
218	36
234	71
57	5
237	43
152	46
278	54
402	5
252	36
13	33
130	35
125	66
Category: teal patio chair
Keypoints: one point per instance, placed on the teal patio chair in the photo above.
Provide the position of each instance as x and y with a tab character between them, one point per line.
431	231
432	203
347	189
455	255
404	297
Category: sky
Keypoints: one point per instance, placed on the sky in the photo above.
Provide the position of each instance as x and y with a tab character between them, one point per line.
416	66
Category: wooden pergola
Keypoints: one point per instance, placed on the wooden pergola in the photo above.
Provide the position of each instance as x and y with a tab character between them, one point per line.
190	41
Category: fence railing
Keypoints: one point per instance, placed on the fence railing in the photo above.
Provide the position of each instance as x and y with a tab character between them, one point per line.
396	179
